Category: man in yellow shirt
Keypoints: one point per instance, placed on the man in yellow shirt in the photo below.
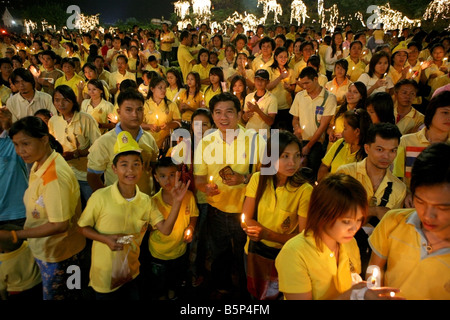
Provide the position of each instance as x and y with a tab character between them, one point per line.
384	190
166	41
116	77
131	112
227	157
407	119
408	243
185	58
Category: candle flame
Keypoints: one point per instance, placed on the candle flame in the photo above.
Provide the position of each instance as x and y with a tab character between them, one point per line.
392	294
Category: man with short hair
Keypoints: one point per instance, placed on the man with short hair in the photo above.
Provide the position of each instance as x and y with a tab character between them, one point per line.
116	77
407	119
46	79
265	59
101	153
184	56
28	100
113	53
312	110
103	74
226	156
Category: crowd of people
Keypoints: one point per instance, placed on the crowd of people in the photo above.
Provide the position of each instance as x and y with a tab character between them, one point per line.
312	165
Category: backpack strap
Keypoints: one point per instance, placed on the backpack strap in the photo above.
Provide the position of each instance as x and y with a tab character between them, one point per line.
337	150
387	193
320	108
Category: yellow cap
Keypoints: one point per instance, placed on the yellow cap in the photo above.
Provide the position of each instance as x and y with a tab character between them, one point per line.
125	143
402	46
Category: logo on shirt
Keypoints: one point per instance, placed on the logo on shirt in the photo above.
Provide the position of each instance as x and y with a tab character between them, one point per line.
286	224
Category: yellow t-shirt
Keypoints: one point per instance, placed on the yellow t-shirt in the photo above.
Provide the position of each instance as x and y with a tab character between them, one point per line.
18	270
303	268
172	246
53	195
213	153
5	93
203	72
344	156
173	94
167	46
72	83
399	239
166	114
411	122
338	90
258	63
208	93
355	70
108	212
184	58
284	97
101	155
279	209
358	171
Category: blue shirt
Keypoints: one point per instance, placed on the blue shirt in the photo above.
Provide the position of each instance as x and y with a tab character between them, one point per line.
13	181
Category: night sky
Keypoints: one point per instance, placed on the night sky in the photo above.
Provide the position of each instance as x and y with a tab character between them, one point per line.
112	10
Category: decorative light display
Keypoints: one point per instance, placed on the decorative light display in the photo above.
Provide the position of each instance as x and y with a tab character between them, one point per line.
87	23
437	9
298	11
182	8
269	6
393	19
29	25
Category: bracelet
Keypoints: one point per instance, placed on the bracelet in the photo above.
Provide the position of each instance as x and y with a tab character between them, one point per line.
14	235
358	294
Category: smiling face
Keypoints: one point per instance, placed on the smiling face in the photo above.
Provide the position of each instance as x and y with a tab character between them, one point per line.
225	116
352	95
128	169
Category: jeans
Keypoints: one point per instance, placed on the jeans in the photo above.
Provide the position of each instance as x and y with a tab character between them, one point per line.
227	249
200	241
85	192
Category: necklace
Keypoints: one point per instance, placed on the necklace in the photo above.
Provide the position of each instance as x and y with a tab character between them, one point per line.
429	245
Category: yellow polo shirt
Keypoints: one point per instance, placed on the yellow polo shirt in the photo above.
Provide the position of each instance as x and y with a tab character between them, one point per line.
303	268
279	209
411	122
101	156
399	239
166	113
53	195
258	63
355	70
18	270
172	246
338	90
305	108
268	104
167	46
358	171
108	212
173	94
213	153
73	82
80	134
344	156
5	94
100	112
284	97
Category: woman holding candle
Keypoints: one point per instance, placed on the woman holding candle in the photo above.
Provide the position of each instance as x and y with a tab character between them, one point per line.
175	86
282	85
90	73
355	98
241	68
322	262
52	203
435	68
275	210
76	131
400	69
334	53
340	83
190	98
160	114
97	105
377	78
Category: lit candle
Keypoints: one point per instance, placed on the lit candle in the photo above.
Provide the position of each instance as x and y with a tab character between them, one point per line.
410	70
392	294
188	232
353	68
157	120
243	220
384	76
374	279
261	65
211	179
234	92
115	118
445	59
334	127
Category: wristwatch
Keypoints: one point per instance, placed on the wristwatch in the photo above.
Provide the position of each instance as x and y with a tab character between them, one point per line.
247	178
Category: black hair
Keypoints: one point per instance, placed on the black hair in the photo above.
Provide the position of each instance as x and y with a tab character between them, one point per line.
440	100
309	72
430	167
165	162
36	128
128	84
362	89
129	94
68	93
99	85
69	61
405	82
383	105
342	63
25	74
222	97
385	130
267	40
314	60
359	119
374	60
50	53
126	153
278	51
177	75
43	112
202	51
123	57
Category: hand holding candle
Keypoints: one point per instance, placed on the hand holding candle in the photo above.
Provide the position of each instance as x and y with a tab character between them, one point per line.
243	224
374	280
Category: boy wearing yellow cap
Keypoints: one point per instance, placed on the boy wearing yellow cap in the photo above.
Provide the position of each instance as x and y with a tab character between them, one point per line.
116	218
